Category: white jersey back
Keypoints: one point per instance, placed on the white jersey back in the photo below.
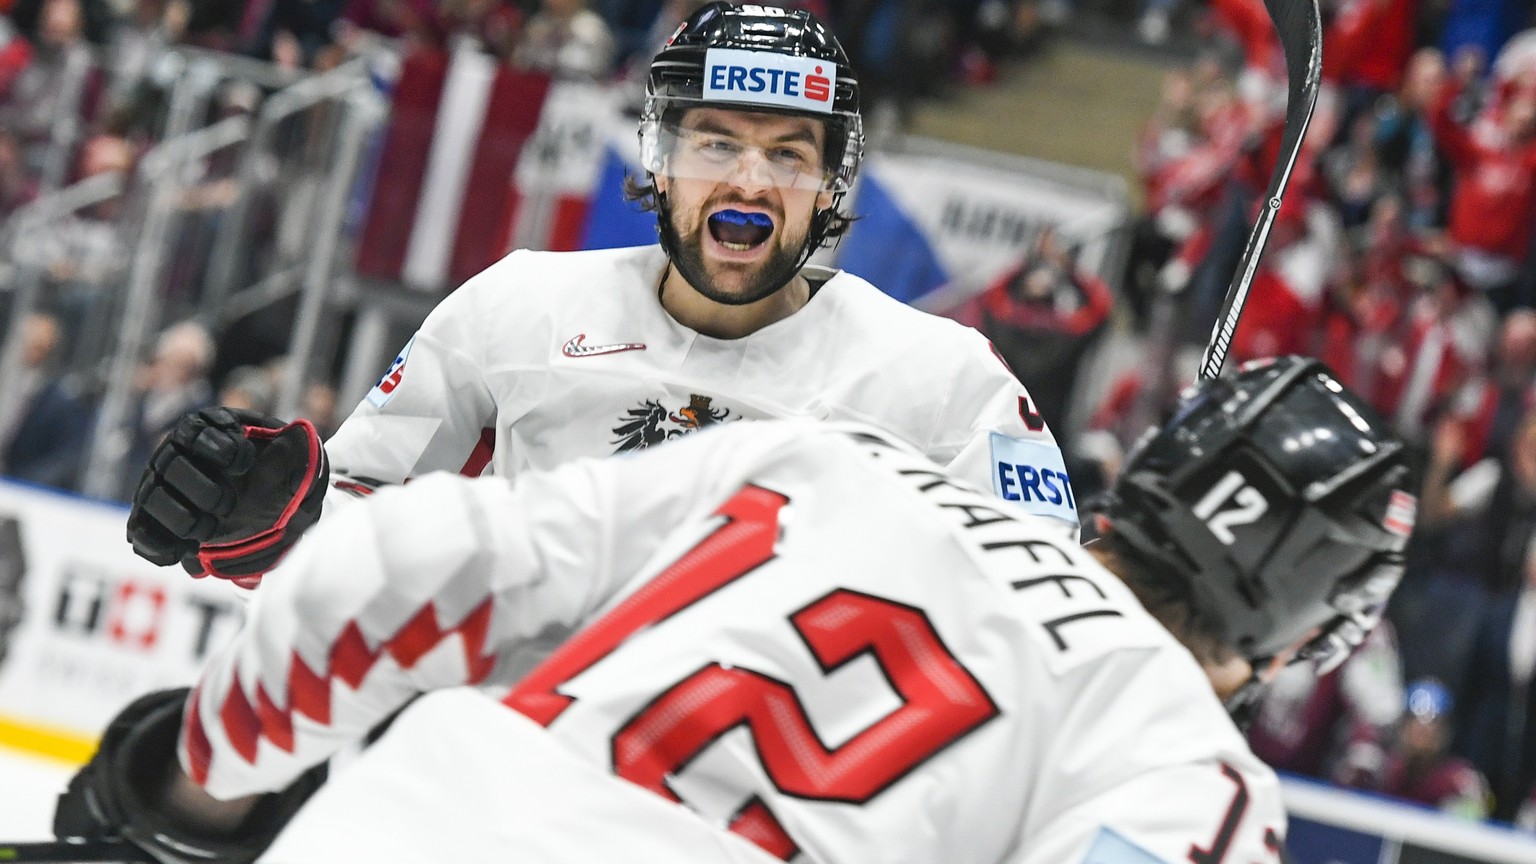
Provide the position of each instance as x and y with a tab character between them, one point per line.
548	356
806	634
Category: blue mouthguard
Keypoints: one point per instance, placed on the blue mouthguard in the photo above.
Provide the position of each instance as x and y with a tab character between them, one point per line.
737	217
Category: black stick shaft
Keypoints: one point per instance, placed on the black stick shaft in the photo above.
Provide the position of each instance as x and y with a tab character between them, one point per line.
1299	24
82	853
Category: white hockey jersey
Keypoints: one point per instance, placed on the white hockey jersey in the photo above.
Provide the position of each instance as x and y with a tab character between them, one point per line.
804	633
549	356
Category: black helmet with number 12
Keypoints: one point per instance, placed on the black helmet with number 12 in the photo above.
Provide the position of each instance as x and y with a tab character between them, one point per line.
1283	501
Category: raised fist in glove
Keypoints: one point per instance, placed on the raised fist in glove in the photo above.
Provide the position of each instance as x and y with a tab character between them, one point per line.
227	492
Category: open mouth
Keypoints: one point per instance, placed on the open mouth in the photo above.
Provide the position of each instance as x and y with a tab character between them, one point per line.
739	230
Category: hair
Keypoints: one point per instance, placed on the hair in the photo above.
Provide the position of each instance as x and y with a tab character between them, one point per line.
1168	597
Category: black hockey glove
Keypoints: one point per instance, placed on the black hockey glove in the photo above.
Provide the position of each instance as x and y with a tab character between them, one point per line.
227	492
115	794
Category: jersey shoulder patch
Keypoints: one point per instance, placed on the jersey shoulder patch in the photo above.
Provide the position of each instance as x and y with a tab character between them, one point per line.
1032	475
1110	848
382	391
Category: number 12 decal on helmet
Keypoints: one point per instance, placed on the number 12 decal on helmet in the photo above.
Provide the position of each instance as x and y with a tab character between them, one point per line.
1231	489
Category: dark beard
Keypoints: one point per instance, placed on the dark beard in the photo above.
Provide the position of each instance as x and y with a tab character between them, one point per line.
775	273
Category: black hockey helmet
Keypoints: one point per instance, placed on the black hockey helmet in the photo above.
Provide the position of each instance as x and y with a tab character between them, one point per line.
799	69
1282	499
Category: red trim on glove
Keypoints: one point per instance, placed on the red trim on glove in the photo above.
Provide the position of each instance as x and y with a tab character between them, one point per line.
208	554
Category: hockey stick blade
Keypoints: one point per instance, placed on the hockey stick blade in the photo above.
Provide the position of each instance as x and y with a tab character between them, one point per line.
78	851
1300	27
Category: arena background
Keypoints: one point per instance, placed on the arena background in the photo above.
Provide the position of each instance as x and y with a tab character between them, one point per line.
238	202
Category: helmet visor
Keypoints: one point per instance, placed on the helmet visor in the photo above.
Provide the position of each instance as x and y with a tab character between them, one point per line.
719	155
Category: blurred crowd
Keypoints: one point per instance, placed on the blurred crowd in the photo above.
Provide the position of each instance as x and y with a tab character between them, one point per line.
86	90
1402	257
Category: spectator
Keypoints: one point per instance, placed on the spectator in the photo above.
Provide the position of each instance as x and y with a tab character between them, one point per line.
1366	48
45	439
567	40
416	21
292	30
56	91
1354	174
249	388
174	382
1495	173
1042	317
318	406
82	255
1493	731
17	187
139	39
1447	333
1491	405
1333	727
1486	514
1405	145
1365	311
1420	770
1286	298
15	57
497	24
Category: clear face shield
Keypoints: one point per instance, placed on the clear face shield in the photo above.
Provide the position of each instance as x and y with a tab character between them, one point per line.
782	159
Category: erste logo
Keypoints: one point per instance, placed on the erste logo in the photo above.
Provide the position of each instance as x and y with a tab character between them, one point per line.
1033	475
764	78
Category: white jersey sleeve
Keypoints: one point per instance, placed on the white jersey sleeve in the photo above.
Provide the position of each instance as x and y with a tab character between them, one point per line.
418	588
1002	443
439	417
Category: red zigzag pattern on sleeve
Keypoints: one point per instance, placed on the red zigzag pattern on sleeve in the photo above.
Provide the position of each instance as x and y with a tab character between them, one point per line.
309	693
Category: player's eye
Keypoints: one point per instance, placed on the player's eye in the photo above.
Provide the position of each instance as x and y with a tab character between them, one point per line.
788	158
717	148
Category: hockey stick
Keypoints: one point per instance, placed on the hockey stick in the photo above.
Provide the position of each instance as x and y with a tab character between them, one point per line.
81	852
1301	39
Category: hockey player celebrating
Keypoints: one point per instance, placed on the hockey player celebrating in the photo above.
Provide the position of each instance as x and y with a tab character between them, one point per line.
751	135
804	634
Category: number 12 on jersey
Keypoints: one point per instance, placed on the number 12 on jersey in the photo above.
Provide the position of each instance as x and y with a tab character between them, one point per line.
941	701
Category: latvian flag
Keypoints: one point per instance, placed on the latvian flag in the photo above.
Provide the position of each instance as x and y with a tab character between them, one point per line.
444	196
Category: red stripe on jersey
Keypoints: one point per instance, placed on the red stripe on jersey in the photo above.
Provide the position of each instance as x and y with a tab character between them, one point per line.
351	658
308	693
422	633
195	739
350	661
241	725
481	455
276	723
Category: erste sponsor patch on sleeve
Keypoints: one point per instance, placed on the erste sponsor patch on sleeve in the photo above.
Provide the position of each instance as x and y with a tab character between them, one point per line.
1033	475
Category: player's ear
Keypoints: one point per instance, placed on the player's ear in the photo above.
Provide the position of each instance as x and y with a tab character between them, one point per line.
825	200
660	182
